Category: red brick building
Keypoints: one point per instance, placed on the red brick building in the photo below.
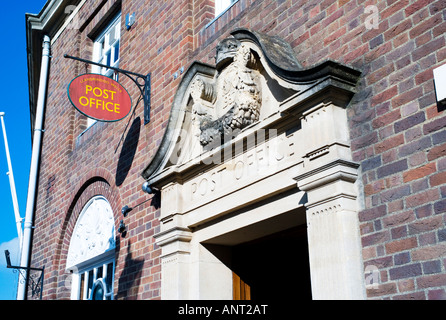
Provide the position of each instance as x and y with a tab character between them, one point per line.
376	192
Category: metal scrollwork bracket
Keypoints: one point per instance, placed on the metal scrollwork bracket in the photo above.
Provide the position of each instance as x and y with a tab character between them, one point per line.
36	284
141	81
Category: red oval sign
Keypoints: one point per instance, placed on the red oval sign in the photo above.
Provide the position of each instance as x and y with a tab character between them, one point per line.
99	97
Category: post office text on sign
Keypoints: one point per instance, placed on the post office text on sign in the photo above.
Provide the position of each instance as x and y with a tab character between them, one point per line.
99	103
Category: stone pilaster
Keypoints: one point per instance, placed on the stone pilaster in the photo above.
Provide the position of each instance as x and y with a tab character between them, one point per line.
333	232
175	261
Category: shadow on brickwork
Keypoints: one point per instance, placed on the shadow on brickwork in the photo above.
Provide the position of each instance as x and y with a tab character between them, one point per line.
128	151
130	277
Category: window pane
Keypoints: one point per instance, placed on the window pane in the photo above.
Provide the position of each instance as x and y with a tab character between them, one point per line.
108	58
81	290
90	283
112	36
118	30
116	52
222	5
99	274
109	280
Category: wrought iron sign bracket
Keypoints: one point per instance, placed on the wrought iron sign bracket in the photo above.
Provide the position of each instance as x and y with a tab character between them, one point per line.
36	285
141	81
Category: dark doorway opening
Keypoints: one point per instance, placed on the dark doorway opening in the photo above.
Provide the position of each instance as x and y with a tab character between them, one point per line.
274	267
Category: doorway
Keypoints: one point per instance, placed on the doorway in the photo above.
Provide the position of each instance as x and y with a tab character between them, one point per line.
272	267
260	259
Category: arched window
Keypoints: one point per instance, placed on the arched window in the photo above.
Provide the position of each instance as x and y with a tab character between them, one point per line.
91	254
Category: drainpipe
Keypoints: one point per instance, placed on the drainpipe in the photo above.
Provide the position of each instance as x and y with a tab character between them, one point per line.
35	160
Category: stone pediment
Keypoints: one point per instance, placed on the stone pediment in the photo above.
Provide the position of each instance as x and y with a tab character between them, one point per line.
256	83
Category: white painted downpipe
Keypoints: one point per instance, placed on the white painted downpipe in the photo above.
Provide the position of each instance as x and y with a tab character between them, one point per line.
35	160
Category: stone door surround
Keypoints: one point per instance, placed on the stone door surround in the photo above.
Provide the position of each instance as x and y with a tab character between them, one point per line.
253	145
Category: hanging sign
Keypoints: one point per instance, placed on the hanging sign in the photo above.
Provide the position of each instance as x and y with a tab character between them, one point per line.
99	97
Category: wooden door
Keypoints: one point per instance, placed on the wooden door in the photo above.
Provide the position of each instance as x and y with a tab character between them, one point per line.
241	290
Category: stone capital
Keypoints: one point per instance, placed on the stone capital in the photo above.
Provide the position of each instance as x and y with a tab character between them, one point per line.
329	182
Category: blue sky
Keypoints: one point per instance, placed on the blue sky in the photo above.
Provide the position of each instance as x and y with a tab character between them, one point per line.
15	104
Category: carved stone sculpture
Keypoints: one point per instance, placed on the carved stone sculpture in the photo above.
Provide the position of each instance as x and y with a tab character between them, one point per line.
234	103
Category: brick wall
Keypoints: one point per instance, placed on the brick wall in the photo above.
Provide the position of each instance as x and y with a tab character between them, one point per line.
397	130
112	155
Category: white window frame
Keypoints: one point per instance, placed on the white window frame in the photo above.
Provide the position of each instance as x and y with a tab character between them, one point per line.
102	47
222	5
83	290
